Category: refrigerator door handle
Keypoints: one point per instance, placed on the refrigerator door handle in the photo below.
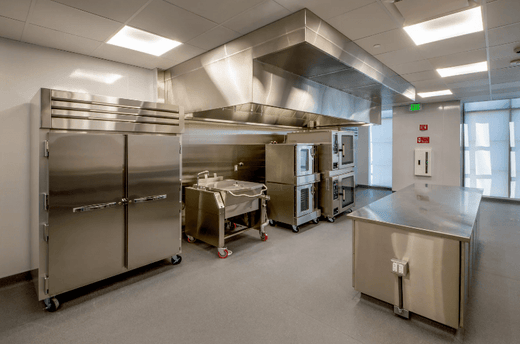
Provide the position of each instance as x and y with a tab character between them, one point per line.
94	207
149	198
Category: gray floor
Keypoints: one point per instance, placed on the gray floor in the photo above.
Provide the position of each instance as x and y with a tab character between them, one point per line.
294	288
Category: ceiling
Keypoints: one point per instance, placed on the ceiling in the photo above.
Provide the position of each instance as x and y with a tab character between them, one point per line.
83	26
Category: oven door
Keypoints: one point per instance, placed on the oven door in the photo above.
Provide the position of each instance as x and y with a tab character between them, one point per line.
346	150
347	191
304	196
304	160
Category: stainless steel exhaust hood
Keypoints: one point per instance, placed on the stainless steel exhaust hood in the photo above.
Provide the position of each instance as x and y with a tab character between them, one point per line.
298	71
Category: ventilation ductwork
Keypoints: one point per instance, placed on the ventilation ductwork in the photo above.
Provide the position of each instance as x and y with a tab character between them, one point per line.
298	72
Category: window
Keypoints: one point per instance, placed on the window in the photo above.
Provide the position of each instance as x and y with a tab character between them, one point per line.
380	152
491	141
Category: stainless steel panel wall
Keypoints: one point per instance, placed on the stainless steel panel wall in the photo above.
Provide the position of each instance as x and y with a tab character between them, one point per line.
85	247
431	288
219	147
154	229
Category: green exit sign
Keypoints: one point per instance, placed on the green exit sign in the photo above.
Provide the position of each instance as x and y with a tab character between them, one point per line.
415	107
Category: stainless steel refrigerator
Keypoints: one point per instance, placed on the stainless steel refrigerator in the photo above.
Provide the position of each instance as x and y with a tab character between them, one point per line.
108	201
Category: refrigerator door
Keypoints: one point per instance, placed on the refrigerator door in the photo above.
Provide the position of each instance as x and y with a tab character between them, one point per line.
154	227
347	150
86	219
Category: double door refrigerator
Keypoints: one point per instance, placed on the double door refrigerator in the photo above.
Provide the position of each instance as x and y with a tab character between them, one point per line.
336	156
105	201
291	183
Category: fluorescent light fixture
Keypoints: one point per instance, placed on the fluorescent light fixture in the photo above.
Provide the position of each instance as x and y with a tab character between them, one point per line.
434	94
464	69
106	78
142	41
453	25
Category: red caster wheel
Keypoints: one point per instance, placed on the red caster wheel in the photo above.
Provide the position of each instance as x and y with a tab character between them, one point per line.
223	253
190	238
264	236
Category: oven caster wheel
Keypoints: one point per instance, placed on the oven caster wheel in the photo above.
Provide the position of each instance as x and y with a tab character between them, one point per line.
51	304
176	260
264	236
272	223
349	211
295	229
223	253
316	221
190	238
331	219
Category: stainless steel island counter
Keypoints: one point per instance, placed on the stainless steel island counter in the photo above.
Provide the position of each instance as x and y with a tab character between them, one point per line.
415	248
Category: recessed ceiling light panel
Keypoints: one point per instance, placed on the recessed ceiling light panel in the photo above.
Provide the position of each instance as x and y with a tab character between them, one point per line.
464	69
145	42
434	94
453	25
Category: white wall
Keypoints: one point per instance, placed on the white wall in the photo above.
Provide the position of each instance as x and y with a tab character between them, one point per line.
25	68
362	156
444	120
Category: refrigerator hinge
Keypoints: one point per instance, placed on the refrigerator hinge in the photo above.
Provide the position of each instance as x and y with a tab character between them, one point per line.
45	201
46	148
46	284
45	232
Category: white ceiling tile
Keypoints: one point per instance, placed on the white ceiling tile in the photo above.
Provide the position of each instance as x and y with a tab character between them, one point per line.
510	86
476	99
325	9
365	21
392	40
119	10
499	76
430	85
469	78
420	10
256	17
504	34
170	21
504	50
214	38
483	80
503	12
458	59
421	76
182	53
217	11
10	28
15	9
131	57
413	67
502	63
398	57
58	40
473	41
70	20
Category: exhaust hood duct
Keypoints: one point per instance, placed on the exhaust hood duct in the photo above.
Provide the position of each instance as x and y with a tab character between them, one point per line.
298	71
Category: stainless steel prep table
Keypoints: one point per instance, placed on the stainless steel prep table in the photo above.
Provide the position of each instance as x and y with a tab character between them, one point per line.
431	228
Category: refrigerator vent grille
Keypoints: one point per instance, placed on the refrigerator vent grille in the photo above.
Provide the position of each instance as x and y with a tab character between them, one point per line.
79	111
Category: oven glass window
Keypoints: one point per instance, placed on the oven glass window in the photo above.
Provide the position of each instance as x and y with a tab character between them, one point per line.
304	201
304	160
347	190
347	146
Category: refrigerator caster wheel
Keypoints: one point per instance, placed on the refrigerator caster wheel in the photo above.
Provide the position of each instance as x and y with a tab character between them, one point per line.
272	223
190	238
331	219
315	221
295	229
264	236
51	304
176	260
223	253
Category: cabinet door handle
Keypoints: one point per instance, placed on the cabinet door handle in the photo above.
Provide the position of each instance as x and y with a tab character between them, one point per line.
150	198
94	207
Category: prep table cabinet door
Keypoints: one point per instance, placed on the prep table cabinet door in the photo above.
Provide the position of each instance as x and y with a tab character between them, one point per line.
86	221
154	194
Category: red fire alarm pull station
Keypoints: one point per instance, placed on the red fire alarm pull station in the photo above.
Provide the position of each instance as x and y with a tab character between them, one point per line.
423	126
423	139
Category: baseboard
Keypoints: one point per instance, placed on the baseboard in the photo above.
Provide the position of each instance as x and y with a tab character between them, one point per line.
16	278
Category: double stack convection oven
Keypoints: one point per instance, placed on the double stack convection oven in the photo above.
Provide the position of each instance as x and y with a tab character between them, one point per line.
292	183
336	159
106	188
